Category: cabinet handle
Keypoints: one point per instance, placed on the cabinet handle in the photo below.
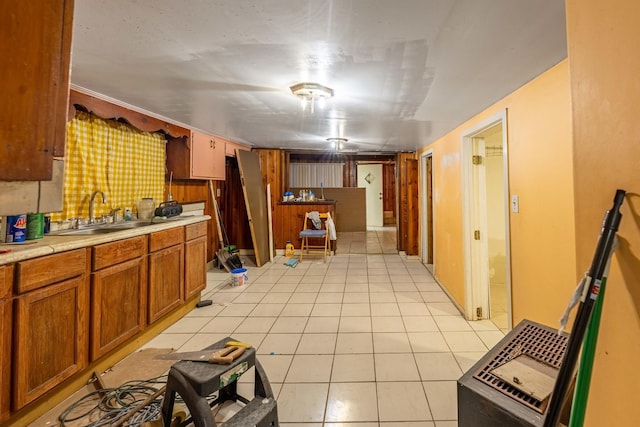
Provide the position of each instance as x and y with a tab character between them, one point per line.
212	143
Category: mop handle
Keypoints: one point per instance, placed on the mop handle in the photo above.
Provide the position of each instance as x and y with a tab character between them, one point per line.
585	368
594	278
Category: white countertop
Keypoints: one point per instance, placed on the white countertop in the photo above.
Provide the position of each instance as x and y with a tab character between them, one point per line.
52	243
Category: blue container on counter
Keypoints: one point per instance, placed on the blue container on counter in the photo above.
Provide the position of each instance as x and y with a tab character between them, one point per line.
16	229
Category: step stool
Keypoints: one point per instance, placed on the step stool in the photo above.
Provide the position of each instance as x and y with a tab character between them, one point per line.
195	381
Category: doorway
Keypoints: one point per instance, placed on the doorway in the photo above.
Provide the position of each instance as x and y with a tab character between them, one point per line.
487	275
370	177
427	220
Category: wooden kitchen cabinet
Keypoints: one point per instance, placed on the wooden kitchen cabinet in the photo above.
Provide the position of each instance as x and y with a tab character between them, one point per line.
50	323
5	341
200	157
118	293
195	259
166	272
35	37
231	147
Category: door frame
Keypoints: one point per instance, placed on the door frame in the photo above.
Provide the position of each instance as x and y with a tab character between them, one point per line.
477	291
428	217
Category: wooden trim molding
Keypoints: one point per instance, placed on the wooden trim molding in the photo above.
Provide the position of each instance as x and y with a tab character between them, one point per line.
107	110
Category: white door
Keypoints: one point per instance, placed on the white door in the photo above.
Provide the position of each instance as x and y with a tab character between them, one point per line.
479	254
486	221
370	177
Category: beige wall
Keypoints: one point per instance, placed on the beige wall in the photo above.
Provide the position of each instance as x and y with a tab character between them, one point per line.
605	87
540	173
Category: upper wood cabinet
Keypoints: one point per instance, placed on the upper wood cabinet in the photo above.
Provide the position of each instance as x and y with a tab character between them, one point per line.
231	147
35	38
201	157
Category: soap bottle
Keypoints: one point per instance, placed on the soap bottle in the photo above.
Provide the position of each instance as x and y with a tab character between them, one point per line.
289	249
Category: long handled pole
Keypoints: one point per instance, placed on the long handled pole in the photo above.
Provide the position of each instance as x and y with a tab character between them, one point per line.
583	381
589	296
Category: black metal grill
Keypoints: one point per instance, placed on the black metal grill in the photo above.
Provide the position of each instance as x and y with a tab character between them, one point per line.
542	344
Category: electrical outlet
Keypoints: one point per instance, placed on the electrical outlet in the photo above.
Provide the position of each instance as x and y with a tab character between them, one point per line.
515	204
217	192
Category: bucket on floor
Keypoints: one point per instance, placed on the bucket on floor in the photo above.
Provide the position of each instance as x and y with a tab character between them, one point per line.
239	277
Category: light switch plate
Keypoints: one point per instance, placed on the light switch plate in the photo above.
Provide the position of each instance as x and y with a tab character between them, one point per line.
515	204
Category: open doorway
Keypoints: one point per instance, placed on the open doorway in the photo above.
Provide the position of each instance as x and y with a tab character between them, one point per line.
486	222
427	220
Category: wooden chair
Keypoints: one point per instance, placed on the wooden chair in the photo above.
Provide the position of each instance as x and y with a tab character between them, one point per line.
310	232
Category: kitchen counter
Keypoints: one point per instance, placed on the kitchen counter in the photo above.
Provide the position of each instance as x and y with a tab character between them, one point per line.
52	243
314	202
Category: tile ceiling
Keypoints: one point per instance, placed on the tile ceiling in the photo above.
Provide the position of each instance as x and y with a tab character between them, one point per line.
404	72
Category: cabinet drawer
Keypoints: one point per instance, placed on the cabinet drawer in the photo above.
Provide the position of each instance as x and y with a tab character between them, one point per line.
194	231
39	272
119	251
166	238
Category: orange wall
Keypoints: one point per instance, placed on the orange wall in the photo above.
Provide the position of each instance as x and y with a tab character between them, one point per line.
605	65
543	271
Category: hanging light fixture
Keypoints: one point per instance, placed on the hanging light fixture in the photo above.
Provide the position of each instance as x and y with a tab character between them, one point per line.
309	93
337	143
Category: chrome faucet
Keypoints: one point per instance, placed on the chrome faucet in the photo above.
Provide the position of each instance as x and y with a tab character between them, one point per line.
93	196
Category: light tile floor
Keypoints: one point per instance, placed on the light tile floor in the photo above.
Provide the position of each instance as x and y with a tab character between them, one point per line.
365	338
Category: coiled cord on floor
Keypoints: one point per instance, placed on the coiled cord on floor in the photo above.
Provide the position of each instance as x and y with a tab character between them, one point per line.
106	406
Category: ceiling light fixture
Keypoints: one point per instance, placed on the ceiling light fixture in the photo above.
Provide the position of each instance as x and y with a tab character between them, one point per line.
309	93
337	143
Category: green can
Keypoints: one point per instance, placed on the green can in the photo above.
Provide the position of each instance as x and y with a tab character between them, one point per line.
35	226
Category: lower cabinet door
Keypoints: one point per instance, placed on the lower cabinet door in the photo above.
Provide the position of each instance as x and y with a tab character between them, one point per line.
118	305
50	338
195	274
5	357
166	281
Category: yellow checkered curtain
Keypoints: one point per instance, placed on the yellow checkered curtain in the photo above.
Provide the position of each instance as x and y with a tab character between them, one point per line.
115	158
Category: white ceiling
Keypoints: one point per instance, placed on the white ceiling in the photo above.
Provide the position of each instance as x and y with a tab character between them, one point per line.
404	72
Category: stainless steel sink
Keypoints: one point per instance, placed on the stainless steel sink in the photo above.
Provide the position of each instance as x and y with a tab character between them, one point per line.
103	229
87	231
132	224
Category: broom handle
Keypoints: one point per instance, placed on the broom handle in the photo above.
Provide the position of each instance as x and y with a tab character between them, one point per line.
217	214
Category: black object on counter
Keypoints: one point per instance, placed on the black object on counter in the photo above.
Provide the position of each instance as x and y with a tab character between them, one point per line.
169	209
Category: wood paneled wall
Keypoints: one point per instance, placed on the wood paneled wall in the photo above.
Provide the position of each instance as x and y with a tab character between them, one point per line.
389	192
230	201
273	164
191	191
233	207
408	213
